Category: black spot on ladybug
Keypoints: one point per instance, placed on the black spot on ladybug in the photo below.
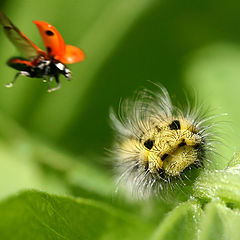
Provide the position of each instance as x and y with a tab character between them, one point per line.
175	125
49	33
49	49
148	144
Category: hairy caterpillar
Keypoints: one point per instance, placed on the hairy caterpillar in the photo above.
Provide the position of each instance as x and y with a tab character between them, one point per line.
157	144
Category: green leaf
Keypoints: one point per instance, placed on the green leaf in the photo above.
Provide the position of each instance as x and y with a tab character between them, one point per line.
235	162
219	222
220	184
181	223
38	215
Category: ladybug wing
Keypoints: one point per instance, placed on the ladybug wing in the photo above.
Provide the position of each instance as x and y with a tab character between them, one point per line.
55	45
20	64
72	55
21	42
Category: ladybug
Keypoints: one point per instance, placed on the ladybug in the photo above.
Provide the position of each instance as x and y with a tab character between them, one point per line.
36	63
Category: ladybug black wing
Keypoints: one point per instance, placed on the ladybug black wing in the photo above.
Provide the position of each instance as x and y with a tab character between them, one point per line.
22	43
20	64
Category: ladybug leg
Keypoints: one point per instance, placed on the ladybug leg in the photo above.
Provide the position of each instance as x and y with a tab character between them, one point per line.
49	82
58	84
27	74
44	78
45	74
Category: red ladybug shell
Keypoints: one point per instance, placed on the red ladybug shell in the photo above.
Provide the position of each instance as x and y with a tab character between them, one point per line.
55	45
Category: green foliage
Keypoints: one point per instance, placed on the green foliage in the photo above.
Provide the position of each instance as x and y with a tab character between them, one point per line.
43	216
212	214
56	143
220	184
186	216
219	222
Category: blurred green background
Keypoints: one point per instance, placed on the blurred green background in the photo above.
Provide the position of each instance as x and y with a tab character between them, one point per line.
58	141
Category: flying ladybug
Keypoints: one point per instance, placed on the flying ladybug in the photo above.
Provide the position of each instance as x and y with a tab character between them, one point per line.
36	63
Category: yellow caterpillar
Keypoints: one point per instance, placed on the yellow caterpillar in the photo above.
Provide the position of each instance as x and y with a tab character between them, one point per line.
157	143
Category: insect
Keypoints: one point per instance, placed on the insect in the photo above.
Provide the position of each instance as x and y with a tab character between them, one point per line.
37	63
158	144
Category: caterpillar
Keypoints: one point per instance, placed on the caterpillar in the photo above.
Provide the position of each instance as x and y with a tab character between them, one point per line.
157	143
